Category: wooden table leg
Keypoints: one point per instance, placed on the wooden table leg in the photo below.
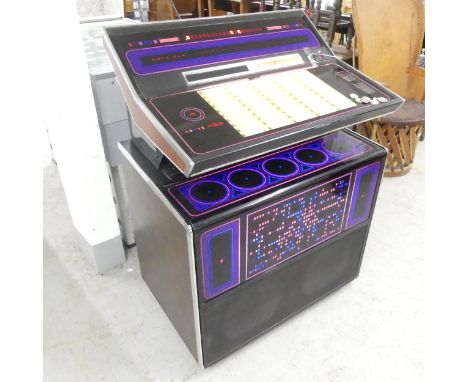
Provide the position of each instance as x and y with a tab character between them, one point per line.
349	35
201	8
210	7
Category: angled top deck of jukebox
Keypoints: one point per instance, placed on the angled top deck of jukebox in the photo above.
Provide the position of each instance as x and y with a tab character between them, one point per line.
213	92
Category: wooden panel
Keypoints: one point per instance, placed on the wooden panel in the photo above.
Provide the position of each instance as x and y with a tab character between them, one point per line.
160	10
163	10
186	6
212	11
401	143
128	6
389	39
405	144
416	84
201	8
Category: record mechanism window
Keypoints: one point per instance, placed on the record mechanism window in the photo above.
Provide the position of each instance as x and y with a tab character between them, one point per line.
268	103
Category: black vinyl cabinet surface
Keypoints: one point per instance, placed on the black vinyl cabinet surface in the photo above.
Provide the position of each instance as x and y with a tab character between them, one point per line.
256	304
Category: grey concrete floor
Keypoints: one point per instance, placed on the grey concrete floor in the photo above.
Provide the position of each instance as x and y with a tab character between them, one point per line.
110	328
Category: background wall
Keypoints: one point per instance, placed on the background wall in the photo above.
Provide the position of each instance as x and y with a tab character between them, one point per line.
88	8
70	118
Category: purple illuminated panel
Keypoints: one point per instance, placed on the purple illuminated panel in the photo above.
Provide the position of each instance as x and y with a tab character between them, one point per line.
287	228
363	194
272	171
220	258
186	55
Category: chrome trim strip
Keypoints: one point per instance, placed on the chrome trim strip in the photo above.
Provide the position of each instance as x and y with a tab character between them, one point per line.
193	282
251	64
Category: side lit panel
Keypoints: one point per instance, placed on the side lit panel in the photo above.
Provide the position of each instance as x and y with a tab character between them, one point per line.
220	258
289	227
363	194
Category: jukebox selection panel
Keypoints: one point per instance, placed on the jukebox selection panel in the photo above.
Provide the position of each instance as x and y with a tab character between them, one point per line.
284	229
268	103
205	194
224	115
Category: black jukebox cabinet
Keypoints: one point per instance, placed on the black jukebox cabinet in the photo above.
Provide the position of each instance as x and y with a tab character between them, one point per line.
249	198
298	234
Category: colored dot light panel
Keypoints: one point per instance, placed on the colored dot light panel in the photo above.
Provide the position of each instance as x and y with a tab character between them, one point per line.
219	189
284	229
287	228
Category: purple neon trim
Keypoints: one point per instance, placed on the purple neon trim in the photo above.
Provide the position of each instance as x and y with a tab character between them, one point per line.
205	240
282	201
171	192
374	169
310	164
246	188
208	181
277	175
135	56
210	291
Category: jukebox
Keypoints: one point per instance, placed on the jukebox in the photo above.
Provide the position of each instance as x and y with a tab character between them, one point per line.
250	199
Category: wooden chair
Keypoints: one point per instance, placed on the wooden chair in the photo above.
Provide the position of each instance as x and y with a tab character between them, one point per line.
327	17
321	11
325	20
389	40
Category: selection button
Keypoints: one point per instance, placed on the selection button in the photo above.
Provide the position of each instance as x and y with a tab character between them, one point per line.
192	114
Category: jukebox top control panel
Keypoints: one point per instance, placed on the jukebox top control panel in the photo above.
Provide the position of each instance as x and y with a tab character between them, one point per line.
209	92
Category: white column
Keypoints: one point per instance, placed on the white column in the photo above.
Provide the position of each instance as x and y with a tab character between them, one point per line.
71	120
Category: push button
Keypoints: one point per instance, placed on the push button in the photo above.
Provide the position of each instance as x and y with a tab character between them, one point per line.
192	114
